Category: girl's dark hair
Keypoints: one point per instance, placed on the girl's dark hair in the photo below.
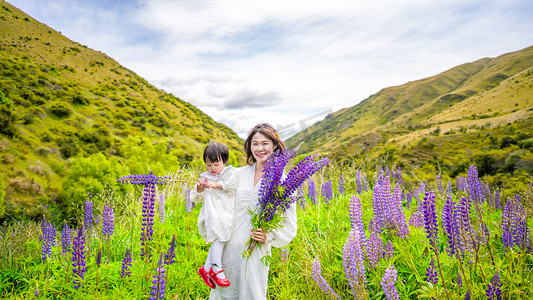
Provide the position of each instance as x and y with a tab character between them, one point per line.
215	152
268	131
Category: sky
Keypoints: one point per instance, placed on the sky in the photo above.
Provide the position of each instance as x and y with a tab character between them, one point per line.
288	63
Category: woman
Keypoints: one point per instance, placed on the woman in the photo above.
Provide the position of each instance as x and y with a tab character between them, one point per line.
249	279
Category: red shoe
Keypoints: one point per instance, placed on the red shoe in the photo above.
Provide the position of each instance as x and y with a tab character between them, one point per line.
220	282
203	273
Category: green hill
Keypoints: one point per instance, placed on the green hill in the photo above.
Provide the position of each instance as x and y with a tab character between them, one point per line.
61	101
479	112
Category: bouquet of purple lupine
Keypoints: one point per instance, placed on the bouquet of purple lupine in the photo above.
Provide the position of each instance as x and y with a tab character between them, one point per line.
276	194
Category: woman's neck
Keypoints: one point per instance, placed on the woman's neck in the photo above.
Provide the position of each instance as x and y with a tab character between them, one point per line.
258	172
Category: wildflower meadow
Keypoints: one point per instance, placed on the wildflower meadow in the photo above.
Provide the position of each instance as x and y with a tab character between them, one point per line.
366	234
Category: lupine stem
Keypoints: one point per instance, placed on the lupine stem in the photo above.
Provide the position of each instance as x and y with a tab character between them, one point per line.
441	277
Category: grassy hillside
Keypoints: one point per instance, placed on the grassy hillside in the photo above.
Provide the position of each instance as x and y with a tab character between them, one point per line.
61	101
476	112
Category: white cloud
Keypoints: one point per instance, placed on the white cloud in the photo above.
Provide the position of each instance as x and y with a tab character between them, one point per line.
284	61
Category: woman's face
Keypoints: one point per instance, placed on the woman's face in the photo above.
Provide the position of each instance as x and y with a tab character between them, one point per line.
262	147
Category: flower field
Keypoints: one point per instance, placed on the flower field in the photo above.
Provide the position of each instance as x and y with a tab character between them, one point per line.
363	234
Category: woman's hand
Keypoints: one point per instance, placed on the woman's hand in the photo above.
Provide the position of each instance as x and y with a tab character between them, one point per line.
258	235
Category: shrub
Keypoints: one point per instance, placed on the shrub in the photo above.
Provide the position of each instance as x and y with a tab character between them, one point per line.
60	109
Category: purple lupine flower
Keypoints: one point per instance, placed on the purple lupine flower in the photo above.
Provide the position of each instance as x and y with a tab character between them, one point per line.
159	282
98	219
189	204
497	201
301	196
474	185
99	257
171	253
415	194
300	173
366	182
389	250
439	185
311	191
459	279
467	296
47	238
448	224
399	175
487	194
416	219
398	215
507	215
353	263
66	241
431	274
89	219
356	217
126	263
374	250
321	281
78	258
161	207
449	191
494	288
108	224
341	185
378	207
389	207
358	181
327	191
388	283
409	199
430	219
460	184
465	238
147	230
519	228
284	254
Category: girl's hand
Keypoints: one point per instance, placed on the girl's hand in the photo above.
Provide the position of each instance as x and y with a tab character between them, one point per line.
258	235
200	187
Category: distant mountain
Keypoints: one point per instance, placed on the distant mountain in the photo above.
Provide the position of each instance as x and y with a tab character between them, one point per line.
479	112
60	100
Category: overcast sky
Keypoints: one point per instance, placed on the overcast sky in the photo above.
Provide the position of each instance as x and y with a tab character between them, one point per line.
287	62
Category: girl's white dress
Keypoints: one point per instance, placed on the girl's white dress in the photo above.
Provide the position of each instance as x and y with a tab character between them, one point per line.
215	221
250	281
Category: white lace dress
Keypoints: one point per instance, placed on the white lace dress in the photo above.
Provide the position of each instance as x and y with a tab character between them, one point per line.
250	281
215	221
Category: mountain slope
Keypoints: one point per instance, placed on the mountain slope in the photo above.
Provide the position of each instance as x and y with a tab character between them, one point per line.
60	100
484	97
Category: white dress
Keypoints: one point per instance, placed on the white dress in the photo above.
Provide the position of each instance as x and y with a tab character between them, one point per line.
250	281
215	221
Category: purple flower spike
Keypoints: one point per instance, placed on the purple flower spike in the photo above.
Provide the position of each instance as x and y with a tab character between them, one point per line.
321	281
171	253
388	283
431	274
494	288
147	230
78	258
389	250
374	250
430	219
99	257
66	241
327	191
47	238
311	191
354	268
341	185
189	204
89	219
358	181
108	225
356	217
399	175
159	282
126	263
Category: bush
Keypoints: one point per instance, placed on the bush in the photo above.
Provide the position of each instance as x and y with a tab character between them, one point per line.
60	109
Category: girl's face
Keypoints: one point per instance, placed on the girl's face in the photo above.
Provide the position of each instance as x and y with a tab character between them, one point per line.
262	147
214	168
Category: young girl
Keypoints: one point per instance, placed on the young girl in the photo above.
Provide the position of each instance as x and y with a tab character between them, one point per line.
216	190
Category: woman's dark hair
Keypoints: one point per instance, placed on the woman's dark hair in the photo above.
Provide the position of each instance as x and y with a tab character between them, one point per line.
215	152
268	131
